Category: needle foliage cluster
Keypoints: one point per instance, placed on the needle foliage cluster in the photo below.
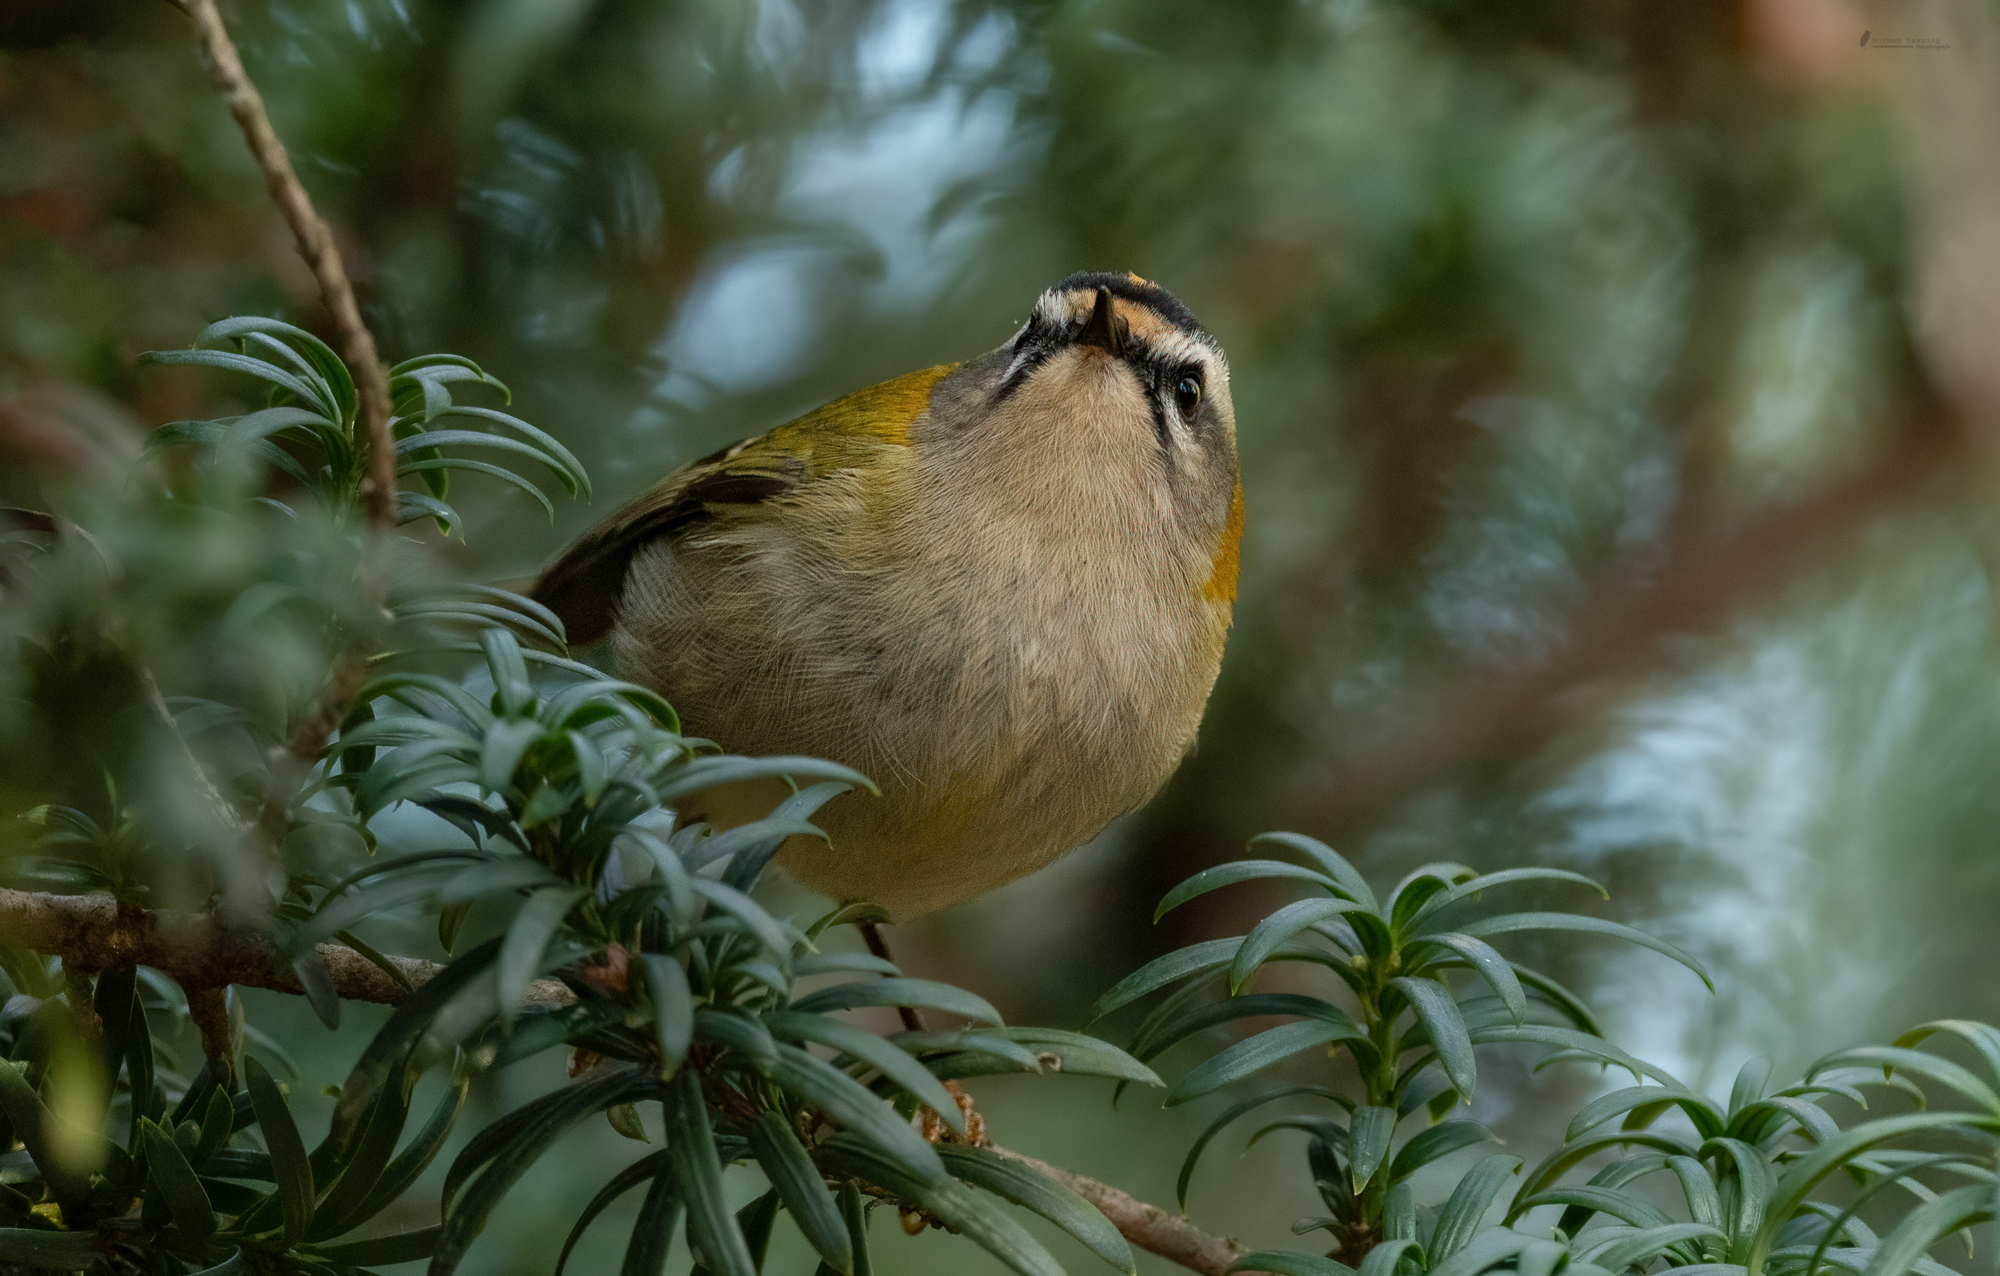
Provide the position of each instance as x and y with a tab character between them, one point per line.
635	945
1790	1179
1515	295
233	554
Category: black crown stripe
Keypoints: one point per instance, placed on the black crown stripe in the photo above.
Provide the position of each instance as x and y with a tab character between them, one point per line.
1150	295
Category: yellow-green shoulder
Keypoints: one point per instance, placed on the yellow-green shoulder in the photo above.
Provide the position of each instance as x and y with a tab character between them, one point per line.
584	583
846	429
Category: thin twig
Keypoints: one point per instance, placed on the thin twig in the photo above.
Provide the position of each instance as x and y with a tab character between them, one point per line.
322	257
1149	1227
90	932
357	348
205	792
871	935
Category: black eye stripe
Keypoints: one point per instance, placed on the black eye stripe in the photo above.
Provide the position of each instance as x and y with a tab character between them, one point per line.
1158	373
1167	378
1161	430
1034	347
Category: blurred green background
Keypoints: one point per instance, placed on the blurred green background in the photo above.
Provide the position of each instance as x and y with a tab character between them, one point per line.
1511	293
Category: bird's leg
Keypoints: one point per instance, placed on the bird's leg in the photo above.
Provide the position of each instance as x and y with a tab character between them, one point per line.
934	1128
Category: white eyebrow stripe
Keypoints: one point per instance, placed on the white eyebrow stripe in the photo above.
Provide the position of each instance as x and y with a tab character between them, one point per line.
1051	308
1175	344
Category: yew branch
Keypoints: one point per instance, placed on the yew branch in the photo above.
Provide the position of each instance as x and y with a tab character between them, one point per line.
316	246
91	932
1151	1228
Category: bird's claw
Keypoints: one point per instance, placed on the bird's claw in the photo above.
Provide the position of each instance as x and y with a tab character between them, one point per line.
936	1131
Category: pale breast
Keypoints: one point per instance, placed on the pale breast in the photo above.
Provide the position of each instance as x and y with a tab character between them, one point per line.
1012	684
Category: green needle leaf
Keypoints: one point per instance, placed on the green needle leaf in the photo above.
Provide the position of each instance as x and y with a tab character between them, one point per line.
1383	1259
1328	861
872	1050
1466	1209
804	1192
34	1125
898	992
1237	871
952	1203
1929	1223
383	1251
673	1009
1369	1133
527	939
1215	1127
653	1235
1253	1054
1487	962
1435	1144
174	1178
711	1224
654	1166
1279	929
859	1110
1029	1188
1943	1071
1508	923
1708	1121
1639	1247
1438	1012
288	1151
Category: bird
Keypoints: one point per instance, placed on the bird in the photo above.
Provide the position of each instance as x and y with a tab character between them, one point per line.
1001	588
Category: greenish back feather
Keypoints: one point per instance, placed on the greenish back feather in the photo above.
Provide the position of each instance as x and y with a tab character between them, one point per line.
584	584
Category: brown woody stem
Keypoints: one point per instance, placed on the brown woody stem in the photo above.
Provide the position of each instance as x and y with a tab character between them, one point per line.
357	349
871	935
1149	1227
316	246
91	932
208	1006
199	951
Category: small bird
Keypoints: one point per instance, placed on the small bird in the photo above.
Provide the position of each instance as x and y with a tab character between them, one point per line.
1000	588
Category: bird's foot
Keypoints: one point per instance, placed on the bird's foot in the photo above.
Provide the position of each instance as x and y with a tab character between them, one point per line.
936	1131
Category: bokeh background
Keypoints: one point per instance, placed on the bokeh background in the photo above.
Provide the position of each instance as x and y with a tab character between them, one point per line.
1612	377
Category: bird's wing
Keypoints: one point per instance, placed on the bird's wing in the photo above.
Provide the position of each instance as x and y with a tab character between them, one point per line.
586	581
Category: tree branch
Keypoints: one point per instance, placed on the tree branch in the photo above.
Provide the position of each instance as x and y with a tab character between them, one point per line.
357	349
208	1006
1149	1227
90	932
316	246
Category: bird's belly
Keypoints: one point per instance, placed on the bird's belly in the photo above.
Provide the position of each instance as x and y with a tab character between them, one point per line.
1003	731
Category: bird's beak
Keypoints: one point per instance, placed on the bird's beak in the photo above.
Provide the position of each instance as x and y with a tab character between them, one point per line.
1105	329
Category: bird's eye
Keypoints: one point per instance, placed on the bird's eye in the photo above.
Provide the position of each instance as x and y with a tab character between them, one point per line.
1187	394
